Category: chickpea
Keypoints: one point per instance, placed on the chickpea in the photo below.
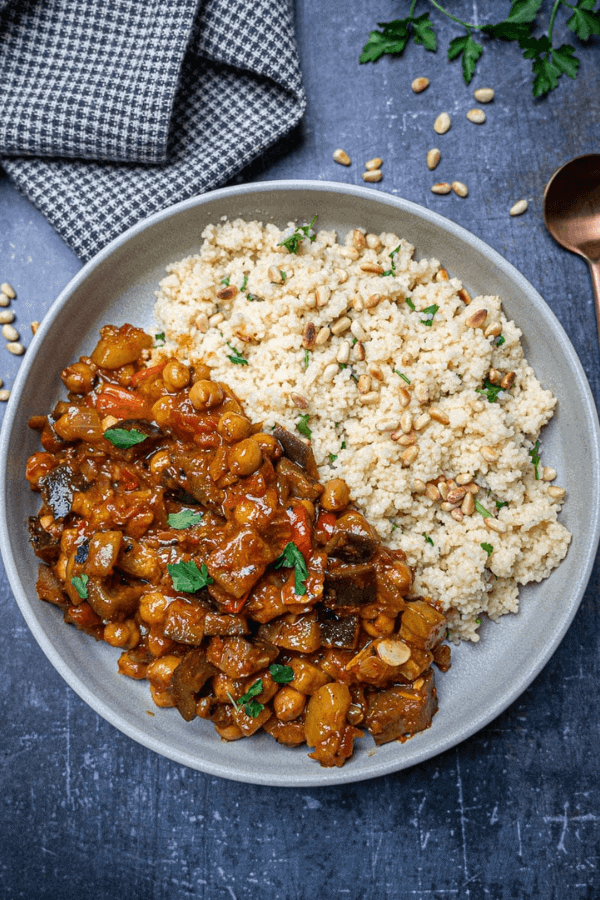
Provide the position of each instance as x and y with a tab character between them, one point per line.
122	634
158	643
382	625
175	375
38	465
161	411
223	686
78	378
205	394
269	445
159	462
244	458
200	373
401	576
132	668
336	495
234	427
161	698
229	732
160	671
153	608
288	704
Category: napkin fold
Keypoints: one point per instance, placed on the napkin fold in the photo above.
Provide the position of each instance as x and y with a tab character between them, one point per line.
111	110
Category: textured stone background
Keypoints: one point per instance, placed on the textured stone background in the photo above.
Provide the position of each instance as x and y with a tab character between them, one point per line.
514	812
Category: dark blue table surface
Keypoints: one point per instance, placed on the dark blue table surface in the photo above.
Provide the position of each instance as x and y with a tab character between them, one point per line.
513	812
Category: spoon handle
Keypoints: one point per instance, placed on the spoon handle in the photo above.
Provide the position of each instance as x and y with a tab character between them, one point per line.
595	273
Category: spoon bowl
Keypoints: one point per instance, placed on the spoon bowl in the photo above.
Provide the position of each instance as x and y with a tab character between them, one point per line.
572	213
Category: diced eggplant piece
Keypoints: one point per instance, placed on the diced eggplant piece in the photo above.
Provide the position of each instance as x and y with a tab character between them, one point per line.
240	561
185	622
289	733
347	586
45	546
103	550
351	547
142	425
422	624
188	472
57	489
299	633
293	481
308	678
189	678
402	710
49	588
113	604
119	346
340	632
238	657
296	450
326	726
214	623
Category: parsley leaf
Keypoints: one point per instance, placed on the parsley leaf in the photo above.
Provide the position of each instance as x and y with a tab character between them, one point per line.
404	377
488	548
246	702
392	271
225	280
302	425
123	439
185	519
584	22
481	509
238	359
80	585
292	558
244	284
501	503
292	243
427	538
393	39
490	390
429	311
535	459
306	359
410	304
332	457
187	577
160	337
470	51
281	674
283	275
424	35
500	340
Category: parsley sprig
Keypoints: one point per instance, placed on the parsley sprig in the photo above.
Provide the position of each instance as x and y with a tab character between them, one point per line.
535	459
237	357
185	519
123	438
80	582
292	558
392	271
187	577
548	60
292	243
302	425
490	390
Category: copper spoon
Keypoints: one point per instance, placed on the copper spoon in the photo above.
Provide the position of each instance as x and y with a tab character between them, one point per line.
572	213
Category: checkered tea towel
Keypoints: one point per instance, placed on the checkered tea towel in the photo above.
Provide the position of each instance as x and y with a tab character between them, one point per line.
113	109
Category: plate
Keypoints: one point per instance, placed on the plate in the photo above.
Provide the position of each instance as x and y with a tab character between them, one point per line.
118	286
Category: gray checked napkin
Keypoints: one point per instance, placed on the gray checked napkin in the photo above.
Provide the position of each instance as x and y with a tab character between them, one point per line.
111	110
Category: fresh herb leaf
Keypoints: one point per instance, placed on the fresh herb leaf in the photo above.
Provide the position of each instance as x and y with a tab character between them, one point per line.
79	582
343	445
404	378
535	459
225	280
306	359
478	621
584	22
424	35
187	577
394	527
500	340
470	51
283	275
302	425
160	337
429	311
292	243
281	674
410	304
185	519
490	390
481	509
237	358
123	439
244	284
247	702
343	365
392	39
392	271
501	503
332	457
292	558
488	548
427	538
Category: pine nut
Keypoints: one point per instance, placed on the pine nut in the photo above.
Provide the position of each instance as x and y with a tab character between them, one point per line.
433	158
4	395
464	296
446	506
477	116
404	397
484	95
507	382
15	348
442	275
442	187
358	239
375	268
322	294
473	488
457	494
229	292
10	333
477	320
463	478
374	175
343	354
407	439
216	320
420	84
493	376
432	492
8	289
460	189
309	336
495	525
340	156
442	123
359	351
300	401
444	490
376	371
330	372
275	276
393	652
364	384
323	336
419	487
408	457
439	415
557	493
6	316
406	421
493	330
372	301
451	484
4	300
34	327
457	514
372	164
373	242
421	421
519	208
489	454
202	323
422	394
468	504
357	303
349	253
342	275
370	398
386	426
341	325
548	473
358	331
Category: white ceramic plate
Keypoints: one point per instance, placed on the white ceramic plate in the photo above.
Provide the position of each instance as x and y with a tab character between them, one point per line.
118	286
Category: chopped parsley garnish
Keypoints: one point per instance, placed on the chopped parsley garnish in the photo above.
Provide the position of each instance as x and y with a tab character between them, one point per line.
394	526
283	275
251	298
247	702
80	585
225	280
187	577
343	365
160	337
410	304
481	509
185	519
488	548
302	425
501	503
343	445
392	271
478	621
427	538
402	376
123	439
292	243
354	341
238	359
244	283
535	459
490	390
429	311
332	457
500	340
292	558
306	359
281	674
